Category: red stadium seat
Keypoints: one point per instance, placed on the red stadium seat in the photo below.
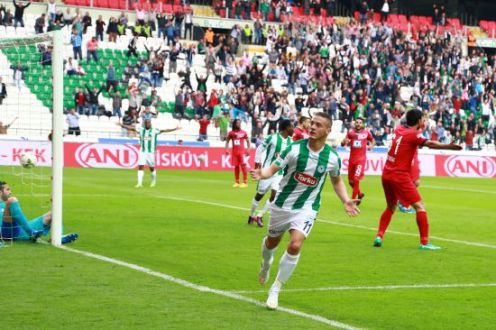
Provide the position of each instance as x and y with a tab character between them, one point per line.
167	8
272	16
102	3
377	17
122	4
113	4
177	9
393	18
70	2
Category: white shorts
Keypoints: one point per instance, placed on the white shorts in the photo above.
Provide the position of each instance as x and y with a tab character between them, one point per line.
269	184
283	220
146	158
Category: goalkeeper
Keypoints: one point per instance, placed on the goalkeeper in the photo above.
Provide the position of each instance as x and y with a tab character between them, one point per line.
15	226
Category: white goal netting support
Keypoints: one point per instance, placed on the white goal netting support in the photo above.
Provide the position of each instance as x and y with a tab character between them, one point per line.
32	68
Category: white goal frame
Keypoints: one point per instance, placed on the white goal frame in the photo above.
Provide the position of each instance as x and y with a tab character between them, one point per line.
56	38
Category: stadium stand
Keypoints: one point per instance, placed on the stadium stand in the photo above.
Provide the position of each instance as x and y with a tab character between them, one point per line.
335	43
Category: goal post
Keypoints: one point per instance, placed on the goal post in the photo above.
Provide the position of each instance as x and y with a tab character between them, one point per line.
57	135
22	50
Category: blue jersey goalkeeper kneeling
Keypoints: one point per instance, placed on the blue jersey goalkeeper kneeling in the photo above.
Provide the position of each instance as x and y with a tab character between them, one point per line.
15	226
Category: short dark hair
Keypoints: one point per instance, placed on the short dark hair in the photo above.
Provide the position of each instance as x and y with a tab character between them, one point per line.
324	115
413	117
2	183
360	118
284	124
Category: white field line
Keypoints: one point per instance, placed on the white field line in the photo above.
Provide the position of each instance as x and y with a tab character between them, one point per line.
206	289
342	224
484	245
382	287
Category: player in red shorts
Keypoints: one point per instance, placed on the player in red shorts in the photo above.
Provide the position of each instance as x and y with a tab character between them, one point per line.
396	180
358	140
404	206
238	152
301	131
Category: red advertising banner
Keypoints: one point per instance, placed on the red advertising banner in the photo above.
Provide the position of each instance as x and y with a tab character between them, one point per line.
167	157
98	155
466	166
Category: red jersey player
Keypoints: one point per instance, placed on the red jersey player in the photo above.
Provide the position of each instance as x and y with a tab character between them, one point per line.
396	176
301	131
238	152
358	140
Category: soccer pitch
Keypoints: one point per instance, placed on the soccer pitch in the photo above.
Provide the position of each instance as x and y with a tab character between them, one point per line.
181	256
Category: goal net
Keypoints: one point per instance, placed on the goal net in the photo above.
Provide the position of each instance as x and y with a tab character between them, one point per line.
31	130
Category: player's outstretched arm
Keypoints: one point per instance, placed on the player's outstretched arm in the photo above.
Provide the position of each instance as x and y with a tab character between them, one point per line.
441	146
264	173
340	189
170	129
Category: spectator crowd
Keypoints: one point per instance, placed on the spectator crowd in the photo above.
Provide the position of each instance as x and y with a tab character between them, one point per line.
358	69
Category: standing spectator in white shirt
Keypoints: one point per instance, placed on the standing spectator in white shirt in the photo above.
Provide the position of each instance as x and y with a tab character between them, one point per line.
385	11
73	122
52	10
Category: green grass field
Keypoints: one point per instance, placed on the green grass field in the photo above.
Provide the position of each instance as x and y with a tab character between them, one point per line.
192	227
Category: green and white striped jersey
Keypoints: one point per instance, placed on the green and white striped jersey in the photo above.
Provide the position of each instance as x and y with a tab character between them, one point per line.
148	139
304	175
271	148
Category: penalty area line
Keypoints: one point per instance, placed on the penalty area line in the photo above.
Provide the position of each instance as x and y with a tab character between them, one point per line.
381	287
202	288
484	245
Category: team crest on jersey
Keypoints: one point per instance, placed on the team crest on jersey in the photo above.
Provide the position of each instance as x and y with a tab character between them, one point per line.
305	179
321	169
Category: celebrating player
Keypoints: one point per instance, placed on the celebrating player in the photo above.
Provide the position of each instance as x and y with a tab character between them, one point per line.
148	147
238	152
270	150
396	180
306	164
301	131
15	226
357	139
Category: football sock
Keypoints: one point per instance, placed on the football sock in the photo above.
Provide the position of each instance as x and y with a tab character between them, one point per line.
254	205
286	266
265	208
245	173
141	173
423	226
236	173
19	217
384	222
356	189
267	254
154	175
